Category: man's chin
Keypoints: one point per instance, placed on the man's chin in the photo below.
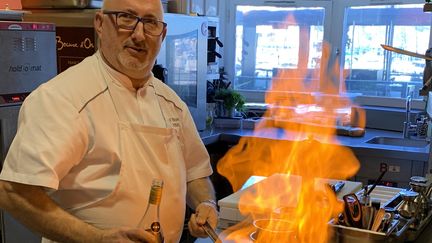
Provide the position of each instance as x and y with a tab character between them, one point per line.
135	73
135	67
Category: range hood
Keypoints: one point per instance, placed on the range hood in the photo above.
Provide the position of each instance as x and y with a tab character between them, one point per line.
37	4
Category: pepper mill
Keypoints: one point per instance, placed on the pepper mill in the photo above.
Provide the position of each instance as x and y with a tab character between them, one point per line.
408	207
420	199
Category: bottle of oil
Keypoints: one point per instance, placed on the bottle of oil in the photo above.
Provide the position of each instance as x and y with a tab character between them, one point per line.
150	221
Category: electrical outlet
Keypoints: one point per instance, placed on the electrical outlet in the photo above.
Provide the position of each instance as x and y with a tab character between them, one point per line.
394	168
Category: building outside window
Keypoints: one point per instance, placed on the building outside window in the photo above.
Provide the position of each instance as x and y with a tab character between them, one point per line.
269	39
373	71
289	35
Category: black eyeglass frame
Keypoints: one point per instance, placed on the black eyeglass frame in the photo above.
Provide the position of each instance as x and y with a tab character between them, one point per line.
138	19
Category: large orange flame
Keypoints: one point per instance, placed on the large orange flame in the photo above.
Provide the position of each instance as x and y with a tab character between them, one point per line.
306	151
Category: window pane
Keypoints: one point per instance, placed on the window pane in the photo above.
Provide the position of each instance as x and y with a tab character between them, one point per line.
269	39
373	71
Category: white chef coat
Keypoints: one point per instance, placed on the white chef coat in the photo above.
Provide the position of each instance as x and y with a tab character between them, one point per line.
68	134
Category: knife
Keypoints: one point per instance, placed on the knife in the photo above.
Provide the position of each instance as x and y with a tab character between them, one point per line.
404	52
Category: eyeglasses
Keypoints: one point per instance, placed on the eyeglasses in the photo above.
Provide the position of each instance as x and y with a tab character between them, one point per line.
129	21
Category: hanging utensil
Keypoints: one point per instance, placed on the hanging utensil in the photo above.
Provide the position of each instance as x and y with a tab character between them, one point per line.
404	52
220	44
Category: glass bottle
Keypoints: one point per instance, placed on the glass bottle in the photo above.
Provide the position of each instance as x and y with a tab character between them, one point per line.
150	221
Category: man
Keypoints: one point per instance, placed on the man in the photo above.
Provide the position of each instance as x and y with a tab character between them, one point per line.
90	141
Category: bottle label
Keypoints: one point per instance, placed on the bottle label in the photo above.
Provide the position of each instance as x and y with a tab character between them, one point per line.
155	195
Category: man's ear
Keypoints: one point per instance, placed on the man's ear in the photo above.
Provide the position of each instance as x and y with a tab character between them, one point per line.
97	23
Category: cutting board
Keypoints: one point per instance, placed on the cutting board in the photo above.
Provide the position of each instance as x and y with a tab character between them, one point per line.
229	208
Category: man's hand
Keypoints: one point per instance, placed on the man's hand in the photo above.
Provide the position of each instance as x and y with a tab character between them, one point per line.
127	235
205	211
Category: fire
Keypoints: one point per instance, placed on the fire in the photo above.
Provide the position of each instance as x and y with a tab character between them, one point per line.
293	199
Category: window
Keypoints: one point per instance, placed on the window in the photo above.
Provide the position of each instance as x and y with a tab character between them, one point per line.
373	71
269	39
269	36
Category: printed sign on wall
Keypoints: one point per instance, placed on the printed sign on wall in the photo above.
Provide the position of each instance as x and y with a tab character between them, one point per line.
73	45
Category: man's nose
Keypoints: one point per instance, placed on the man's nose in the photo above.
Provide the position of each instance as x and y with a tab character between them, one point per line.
138	33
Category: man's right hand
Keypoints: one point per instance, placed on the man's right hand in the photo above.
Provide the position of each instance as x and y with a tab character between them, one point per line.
31	206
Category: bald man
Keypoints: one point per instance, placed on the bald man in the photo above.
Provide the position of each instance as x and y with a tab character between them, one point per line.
91	140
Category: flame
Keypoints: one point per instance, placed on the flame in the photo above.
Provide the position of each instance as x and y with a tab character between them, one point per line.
295	164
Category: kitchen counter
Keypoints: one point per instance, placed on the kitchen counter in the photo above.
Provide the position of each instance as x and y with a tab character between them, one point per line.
358	144
424	237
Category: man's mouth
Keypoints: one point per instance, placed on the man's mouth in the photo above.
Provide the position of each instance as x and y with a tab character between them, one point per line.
135	49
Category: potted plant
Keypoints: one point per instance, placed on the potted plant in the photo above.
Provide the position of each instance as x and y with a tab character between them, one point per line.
227	102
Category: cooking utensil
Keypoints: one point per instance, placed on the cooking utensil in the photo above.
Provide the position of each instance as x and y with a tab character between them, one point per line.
378	219
409	207
368	215
376	183
337	187
385	222
404	52
364	197
210	232
353	210
220	44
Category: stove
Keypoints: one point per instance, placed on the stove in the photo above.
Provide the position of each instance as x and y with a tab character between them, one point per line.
229	213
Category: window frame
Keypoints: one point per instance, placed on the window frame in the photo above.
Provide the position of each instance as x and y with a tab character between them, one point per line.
333	26
337	41
229	60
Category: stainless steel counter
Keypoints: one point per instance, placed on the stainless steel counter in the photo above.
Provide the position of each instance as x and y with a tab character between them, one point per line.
356	143
425	237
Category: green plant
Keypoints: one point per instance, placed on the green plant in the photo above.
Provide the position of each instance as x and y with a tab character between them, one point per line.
231	99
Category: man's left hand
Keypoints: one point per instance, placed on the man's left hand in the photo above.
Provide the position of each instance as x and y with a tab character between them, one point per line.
205	211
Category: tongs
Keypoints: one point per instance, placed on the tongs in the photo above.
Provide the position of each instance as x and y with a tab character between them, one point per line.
211	232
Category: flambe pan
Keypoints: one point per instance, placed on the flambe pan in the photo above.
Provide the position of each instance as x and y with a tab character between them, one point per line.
404	52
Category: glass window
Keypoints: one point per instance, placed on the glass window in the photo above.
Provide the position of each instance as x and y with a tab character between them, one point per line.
370	70
269	39
183	66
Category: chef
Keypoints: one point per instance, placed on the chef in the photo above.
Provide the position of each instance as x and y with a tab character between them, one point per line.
91	140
